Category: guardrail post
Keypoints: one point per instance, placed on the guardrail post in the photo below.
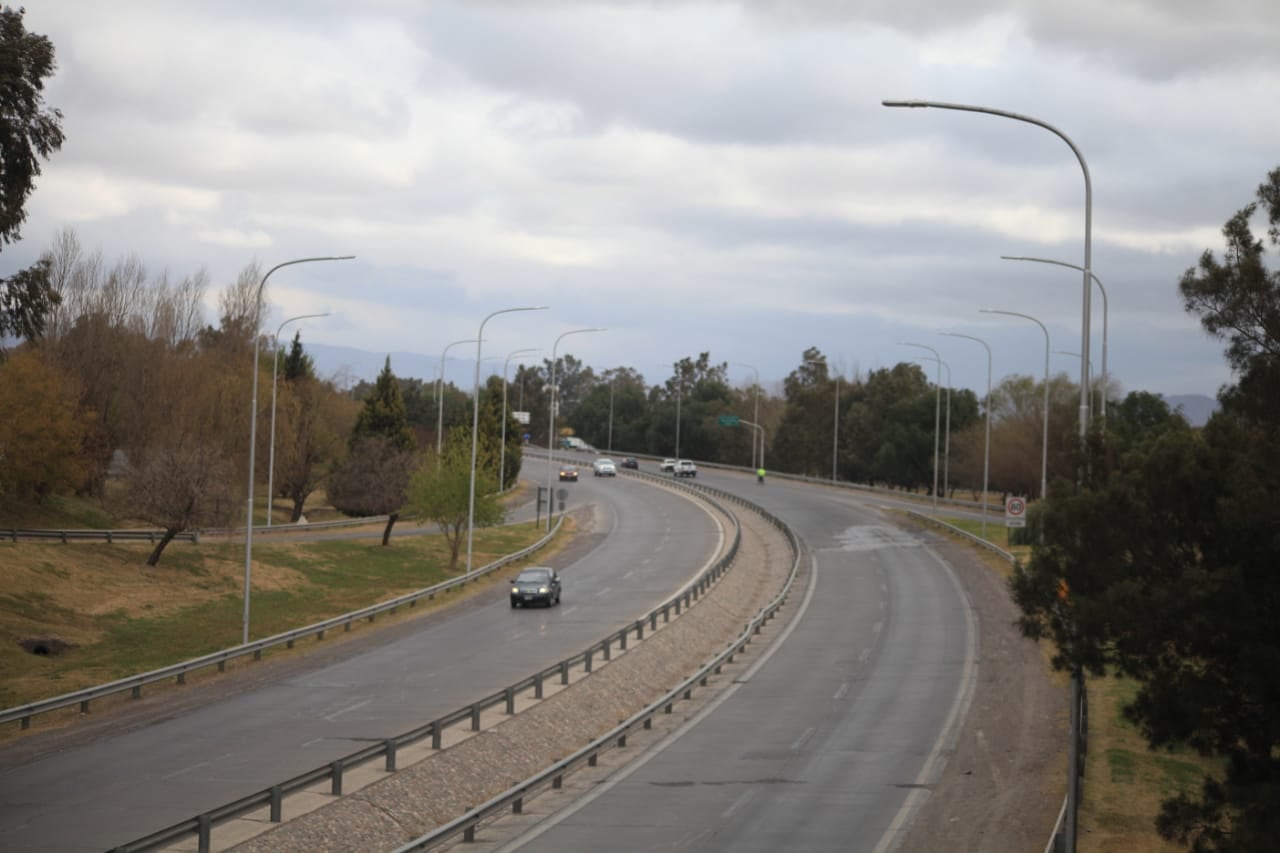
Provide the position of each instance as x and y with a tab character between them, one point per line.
586	661
557	782
607	651
391	755
435	734
346	626
677	603
203	827
622	739
336	768
666	613
622	640
137	691
537	686
640	630
257	654
511	700
564	672
277	801
222	665
320	634
469	834
653	621
475	717
26	723
517	805
84	707
182	677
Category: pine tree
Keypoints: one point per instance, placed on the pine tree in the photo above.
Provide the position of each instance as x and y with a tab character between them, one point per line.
384	413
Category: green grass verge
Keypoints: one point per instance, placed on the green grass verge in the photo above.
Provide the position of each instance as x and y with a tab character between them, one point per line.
124	618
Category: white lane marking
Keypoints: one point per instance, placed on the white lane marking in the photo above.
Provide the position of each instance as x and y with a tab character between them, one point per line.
863	655
951	726
628	574
603	592
844	688
353	706
804	736
569	610
200	764
878	627
518	634
605	786
739	802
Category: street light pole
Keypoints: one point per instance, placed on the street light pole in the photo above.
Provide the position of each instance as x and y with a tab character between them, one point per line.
502	454
760	429
551	426
1044	441
1077	355
937	412
679	394
1077	677
1105	311
271	450
253	436
440	395
756	409
986	454
475	424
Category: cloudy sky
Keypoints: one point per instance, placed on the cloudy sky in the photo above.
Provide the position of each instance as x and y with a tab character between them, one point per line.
715	176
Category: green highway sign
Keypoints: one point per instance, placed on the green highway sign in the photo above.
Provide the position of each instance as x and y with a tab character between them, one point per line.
729	420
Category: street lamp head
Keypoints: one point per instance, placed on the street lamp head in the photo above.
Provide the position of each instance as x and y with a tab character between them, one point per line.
908	104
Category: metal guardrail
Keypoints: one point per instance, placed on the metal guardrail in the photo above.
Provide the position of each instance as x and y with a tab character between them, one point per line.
64	536
135	683
513	798
202	825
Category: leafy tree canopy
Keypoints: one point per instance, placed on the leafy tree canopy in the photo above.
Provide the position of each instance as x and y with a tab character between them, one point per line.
1162	565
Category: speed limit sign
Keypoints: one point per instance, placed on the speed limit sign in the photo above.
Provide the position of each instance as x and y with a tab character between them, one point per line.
1015	512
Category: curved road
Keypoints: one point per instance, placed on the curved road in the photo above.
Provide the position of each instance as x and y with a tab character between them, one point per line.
129	784
829	742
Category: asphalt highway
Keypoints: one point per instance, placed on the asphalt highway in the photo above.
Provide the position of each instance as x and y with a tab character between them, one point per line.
124	786
830	742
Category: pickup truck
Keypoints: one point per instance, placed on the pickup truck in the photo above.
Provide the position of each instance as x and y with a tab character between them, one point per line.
685	468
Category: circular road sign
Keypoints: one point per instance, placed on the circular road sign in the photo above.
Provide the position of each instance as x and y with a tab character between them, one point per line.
1015	507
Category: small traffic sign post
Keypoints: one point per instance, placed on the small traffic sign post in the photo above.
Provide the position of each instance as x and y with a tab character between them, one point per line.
1015	512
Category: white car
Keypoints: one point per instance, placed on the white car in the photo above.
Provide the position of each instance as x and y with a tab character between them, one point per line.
685	468
667	465
606	468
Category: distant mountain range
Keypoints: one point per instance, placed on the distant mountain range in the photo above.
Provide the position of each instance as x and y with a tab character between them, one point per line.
1196	408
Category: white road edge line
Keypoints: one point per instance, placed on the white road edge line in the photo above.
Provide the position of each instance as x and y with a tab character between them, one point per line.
950	729
607	785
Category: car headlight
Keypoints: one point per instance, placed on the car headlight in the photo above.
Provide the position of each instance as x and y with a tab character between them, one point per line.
542	590
514	590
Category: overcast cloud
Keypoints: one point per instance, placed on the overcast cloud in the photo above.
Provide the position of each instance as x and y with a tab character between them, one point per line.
713	176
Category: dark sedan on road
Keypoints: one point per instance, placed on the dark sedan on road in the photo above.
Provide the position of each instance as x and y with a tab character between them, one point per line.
630	462
535	585
569	473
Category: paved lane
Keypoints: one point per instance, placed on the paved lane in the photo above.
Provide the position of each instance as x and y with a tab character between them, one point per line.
825	745
122	787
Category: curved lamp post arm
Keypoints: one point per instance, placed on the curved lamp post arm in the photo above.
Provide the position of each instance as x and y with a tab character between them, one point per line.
551	406
275	369
1088	231
253	433
475	423
1106	310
